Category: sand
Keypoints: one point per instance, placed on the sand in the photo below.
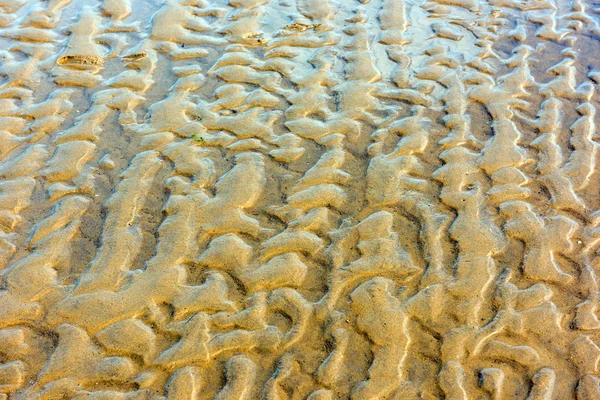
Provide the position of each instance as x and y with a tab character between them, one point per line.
299	199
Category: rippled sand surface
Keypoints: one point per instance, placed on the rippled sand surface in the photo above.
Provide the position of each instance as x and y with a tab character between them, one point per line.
299	199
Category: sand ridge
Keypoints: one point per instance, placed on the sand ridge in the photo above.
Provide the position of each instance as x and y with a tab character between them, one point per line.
309	199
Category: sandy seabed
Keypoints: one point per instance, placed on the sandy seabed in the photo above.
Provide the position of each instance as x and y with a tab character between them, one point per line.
309	199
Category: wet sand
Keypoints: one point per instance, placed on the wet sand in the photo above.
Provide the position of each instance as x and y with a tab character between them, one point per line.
299	199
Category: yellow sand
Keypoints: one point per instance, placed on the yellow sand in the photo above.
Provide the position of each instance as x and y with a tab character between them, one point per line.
299	199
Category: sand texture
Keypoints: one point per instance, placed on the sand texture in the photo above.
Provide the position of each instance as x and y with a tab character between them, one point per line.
299	199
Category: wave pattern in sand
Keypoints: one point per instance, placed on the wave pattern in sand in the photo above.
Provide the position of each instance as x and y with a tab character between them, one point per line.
310	199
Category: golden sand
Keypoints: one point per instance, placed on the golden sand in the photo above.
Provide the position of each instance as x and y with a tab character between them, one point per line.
299	199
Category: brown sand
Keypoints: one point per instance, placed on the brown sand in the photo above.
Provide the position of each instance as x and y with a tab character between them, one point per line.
299	199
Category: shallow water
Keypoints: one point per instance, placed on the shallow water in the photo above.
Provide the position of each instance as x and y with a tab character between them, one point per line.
386	199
